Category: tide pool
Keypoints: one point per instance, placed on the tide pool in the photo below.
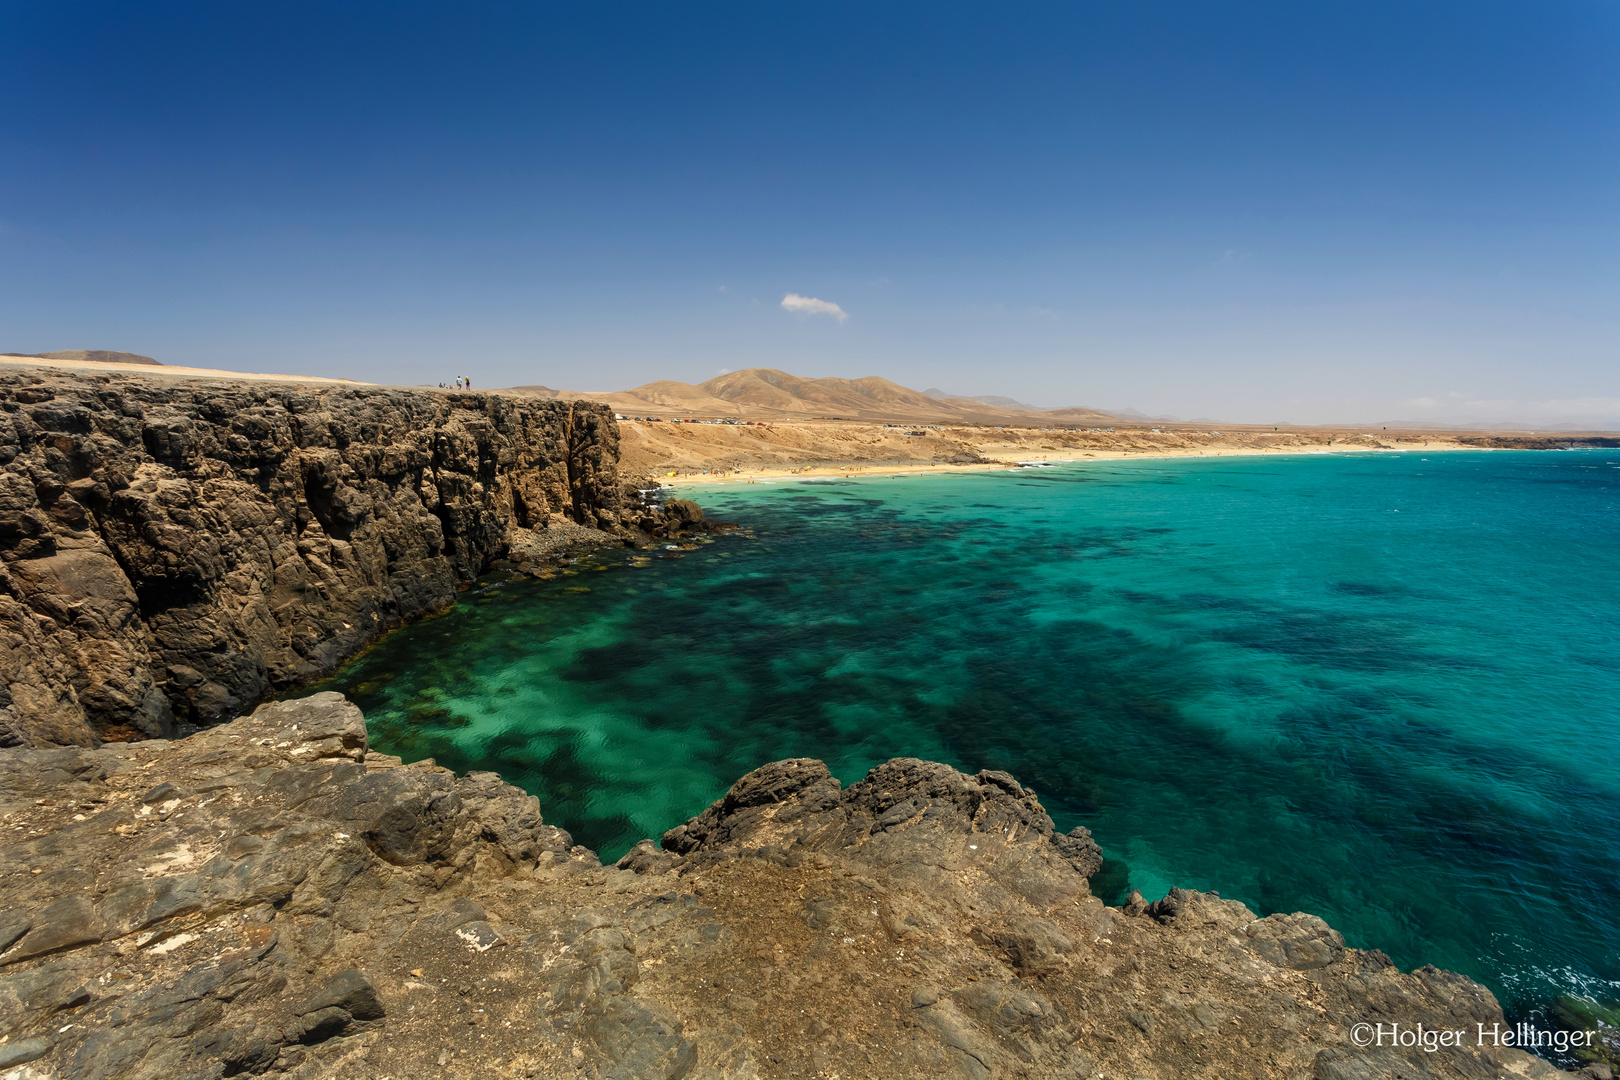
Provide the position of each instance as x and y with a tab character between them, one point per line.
1381	688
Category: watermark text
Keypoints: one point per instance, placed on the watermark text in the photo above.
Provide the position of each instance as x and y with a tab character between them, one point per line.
1421	1037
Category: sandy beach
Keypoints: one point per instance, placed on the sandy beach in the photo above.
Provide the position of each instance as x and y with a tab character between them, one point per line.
823	472
679	454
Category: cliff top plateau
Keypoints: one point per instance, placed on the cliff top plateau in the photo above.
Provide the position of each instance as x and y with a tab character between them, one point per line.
98	356
269	897
92	363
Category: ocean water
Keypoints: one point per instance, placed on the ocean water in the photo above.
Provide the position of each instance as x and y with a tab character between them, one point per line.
1383	688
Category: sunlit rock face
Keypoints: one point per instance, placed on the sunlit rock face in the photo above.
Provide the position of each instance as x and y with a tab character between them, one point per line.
272	897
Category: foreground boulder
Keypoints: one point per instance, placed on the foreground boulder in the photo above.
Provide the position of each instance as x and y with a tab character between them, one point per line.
269	897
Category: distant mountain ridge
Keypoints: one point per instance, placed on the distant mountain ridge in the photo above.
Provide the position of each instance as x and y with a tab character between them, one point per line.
1077	411
765	393
985	399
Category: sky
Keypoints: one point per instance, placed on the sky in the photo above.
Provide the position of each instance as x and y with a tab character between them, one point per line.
1302	212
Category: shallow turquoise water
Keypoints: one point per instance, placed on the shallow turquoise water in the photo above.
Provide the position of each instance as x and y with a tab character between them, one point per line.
1381	688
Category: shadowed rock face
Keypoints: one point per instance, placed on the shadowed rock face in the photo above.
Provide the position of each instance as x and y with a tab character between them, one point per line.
267	897
171	552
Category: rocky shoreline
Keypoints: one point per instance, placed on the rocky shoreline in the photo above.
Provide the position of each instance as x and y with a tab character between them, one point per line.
173	552
270	897
267	896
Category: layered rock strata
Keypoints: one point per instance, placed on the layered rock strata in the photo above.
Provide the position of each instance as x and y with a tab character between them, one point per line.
172	551
268	897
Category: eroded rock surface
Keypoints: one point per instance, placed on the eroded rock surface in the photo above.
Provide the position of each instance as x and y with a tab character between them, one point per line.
172	551
268	897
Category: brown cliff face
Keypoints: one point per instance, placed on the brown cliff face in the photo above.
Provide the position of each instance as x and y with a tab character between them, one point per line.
270	898
171	552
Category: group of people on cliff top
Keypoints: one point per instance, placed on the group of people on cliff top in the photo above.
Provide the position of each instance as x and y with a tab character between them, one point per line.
462	383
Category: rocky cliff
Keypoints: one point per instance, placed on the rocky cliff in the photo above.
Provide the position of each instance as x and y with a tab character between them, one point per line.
173	550
268	897
1545	442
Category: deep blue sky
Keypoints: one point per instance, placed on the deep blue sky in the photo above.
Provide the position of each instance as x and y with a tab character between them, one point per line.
1300	211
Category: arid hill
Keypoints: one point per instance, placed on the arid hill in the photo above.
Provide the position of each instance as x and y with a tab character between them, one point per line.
536	391
769	394
667	396
985	399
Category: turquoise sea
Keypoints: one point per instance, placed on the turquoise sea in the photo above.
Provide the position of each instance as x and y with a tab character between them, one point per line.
1383	688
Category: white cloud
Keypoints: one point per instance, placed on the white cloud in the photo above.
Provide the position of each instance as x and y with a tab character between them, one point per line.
809	305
